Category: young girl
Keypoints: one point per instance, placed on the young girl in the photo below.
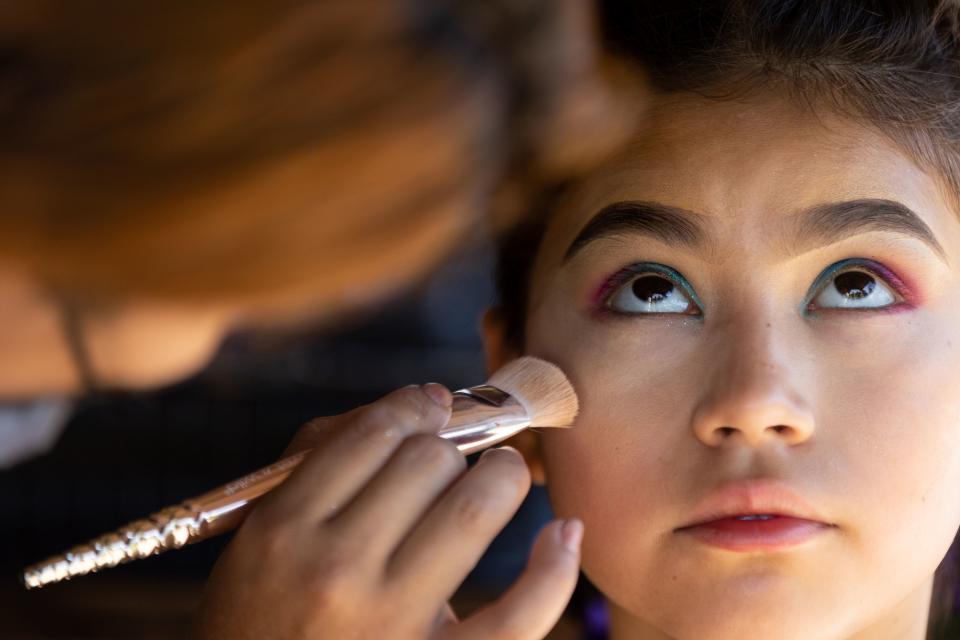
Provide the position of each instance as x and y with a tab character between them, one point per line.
759	306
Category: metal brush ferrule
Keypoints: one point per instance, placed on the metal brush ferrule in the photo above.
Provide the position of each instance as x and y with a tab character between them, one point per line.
481	416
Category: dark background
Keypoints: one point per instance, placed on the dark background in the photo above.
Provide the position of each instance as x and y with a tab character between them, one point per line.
124	456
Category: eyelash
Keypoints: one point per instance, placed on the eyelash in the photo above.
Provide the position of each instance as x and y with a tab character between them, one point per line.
613	285
872	267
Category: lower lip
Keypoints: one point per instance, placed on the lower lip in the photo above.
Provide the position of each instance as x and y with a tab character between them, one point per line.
780	532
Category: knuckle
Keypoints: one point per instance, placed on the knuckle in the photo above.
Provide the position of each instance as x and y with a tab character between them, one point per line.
520	476
424	450
269	530
311	434
510	469
317	426
387	414
377	424
371	424
274	543
472	509
406	410
266	516
412	403
328	582
416	400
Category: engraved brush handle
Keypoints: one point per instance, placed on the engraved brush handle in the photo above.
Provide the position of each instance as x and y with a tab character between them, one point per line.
481	417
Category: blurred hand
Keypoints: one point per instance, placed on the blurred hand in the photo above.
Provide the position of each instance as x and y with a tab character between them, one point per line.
374	532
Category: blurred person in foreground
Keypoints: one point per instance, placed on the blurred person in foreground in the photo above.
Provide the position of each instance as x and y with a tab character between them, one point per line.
172	172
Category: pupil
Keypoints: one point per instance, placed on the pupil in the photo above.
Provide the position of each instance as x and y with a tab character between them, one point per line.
652	288
855	284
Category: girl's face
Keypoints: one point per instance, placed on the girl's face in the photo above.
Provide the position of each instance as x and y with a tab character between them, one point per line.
775	303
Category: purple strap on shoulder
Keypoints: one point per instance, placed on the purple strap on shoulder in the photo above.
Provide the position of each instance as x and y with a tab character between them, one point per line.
596	619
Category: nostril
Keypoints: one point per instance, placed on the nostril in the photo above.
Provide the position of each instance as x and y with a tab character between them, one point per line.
727	431
780	428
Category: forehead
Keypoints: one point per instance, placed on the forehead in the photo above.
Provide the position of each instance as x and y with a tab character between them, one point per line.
747	166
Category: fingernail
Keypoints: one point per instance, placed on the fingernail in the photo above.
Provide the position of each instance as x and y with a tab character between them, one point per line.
571	533
484	454
506	446
439	394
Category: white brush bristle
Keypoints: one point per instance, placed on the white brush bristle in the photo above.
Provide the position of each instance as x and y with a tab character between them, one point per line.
541	388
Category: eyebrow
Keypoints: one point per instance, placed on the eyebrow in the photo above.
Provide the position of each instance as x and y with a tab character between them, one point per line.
812	227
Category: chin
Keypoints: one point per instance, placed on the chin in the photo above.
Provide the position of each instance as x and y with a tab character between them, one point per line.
751	606
780	623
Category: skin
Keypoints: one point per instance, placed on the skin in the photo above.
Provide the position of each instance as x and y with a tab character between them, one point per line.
354	212
866	400
381	523
142	342
383	510
377	528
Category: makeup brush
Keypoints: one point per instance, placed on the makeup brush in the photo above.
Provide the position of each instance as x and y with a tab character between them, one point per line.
527	392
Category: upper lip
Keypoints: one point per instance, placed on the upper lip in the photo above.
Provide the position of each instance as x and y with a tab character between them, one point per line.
753	497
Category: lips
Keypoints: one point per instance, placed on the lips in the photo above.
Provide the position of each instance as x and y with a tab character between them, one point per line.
755	515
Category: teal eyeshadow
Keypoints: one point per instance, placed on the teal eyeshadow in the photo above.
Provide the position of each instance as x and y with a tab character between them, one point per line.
653	267
827	275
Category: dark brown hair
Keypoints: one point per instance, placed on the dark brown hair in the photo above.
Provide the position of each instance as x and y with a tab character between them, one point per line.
892	64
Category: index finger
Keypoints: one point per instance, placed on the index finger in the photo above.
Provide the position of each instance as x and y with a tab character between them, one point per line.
355	447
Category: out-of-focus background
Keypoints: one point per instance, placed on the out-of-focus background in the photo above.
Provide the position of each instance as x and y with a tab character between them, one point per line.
127	455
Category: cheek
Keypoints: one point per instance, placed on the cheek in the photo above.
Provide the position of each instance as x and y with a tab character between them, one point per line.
616	482
891	427
618	465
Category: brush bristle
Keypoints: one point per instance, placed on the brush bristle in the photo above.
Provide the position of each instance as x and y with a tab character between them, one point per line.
542	388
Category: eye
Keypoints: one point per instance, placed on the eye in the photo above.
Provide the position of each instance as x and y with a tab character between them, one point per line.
854	287
649	289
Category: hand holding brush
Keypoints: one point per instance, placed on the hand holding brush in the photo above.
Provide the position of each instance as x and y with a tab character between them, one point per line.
378	525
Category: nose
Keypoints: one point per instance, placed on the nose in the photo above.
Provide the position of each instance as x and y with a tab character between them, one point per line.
750	393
